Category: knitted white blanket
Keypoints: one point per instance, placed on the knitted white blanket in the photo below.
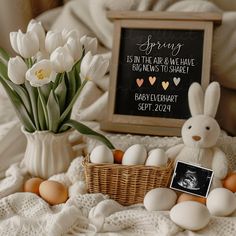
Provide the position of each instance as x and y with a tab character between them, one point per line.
26	214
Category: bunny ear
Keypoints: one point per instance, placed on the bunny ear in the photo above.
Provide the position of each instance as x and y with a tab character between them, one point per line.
195	99
212	98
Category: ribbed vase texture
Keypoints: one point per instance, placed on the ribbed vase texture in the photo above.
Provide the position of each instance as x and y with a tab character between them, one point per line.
47	153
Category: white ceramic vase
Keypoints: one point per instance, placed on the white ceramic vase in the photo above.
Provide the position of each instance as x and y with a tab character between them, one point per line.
47	153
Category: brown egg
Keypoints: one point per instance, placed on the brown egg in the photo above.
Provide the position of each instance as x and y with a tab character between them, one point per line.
53	192
188	197
32	185
230	182
118	155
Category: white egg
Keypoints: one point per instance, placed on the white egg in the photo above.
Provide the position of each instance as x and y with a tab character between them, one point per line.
101	154
190	215
160	199
156	157
135	155
221	202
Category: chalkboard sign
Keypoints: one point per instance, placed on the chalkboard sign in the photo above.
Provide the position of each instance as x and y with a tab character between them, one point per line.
154	64
155	70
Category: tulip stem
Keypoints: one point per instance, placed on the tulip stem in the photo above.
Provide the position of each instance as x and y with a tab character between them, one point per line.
29	62
43	102
69	107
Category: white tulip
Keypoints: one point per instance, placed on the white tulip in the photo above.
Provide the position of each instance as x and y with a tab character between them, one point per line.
90	44
16	70
75	48
41	73
66	34
27	44
13	40
62	60
71	39
41	55
39	30
53	40
93	67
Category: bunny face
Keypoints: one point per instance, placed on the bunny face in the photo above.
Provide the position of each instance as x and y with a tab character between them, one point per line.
200	131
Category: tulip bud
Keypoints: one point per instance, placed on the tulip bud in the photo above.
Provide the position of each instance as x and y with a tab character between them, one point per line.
93	67
41	55
62	60
75	48
27	44
41	73
53	40
39	30
13	40
16	70
66	34
90	44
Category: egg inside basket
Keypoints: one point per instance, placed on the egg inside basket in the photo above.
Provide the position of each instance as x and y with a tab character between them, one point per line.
127	184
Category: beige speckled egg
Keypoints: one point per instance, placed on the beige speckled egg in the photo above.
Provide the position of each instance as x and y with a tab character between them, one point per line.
101	154
135	155
160	199
53	192
221	202
156	157
190	215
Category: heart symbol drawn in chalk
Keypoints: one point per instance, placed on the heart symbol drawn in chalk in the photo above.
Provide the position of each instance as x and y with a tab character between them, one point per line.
176	81
165	84
152	80
139	82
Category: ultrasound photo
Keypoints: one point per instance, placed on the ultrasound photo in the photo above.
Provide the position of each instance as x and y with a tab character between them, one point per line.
191	179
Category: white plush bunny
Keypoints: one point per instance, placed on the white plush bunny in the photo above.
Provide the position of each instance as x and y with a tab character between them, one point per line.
201	131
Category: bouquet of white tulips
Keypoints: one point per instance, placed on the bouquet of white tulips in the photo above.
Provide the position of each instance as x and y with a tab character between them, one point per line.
46	77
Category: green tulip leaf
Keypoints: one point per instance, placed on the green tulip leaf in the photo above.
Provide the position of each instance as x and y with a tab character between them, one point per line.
83	129
70	106
58	80
53	110
71	85
19	107
33	94
3	71
4	56
21	91
41	117
61	92
77	74
44	106
46	89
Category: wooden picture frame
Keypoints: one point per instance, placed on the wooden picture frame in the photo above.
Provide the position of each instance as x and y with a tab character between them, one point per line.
134	94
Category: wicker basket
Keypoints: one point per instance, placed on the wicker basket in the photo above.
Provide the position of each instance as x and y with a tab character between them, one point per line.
125	184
